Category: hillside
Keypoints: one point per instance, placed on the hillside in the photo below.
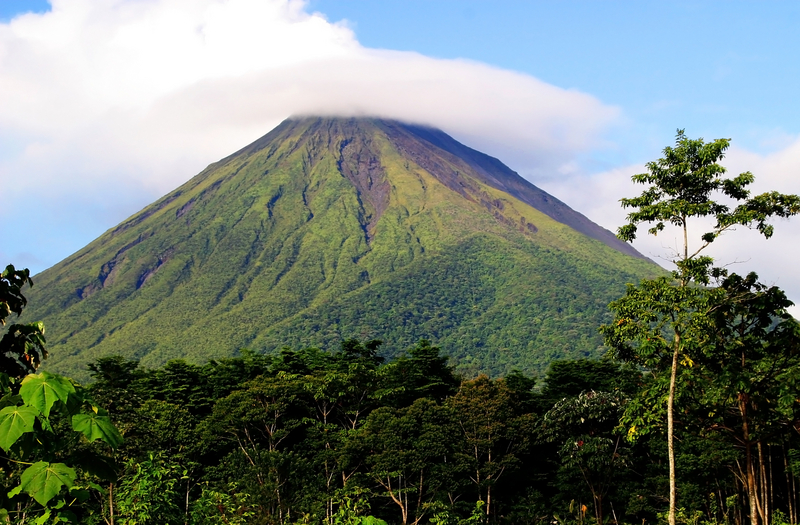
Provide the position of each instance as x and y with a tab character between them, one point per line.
328	228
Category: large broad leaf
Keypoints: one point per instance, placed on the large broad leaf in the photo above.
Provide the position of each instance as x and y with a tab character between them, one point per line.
43	481
15	421
42	390
96	426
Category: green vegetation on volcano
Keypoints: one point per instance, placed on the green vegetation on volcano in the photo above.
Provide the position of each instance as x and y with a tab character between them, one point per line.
329	228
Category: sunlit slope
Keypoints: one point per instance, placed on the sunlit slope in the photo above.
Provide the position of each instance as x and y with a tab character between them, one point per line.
331	228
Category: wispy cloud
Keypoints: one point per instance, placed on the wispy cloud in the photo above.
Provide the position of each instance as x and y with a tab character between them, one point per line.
597	195
108	104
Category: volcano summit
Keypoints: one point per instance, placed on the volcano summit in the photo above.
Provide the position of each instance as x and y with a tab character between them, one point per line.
331	228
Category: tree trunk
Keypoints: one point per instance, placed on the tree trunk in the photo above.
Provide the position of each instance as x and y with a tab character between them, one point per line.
488	501
762	468
598	509
788	484
671	430
752	489
397	498
794	496
111	502
418	512
771	478
738	508
752	494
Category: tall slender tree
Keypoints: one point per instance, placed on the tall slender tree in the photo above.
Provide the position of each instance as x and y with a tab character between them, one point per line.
662	323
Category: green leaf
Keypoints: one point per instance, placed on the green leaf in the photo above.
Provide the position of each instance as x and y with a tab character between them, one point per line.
95	486
94	426
371	520
43	481
42	390
43	518
15	421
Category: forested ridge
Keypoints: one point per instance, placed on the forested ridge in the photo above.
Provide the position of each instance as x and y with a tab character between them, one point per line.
331	228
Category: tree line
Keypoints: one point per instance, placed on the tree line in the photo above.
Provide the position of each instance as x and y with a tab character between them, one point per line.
309	436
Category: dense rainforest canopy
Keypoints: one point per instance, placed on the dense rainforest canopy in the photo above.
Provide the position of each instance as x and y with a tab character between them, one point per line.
314	437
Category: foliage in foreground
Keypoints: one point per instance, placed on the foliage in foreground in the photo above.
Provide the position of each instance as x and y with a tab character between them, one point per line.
54	437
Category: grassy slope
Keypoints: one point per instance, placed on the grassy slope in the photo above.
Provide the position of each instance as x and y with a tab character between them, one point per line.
273	246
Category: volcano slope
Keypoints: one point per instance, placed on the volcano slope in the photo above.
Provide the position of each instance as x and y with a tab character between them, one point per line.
331	228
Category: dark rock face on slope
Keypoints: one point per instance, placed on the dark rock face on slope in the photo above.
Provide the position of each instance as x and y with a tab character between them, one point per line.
330	228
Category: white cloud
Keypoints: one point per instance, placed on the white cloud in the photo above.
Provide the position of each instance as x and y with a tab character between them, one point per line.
774	260
107	104
742	251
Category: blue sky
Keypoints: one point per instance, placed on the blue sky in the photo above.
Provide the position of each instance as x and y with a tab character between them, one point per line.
718	69
575	95
11	8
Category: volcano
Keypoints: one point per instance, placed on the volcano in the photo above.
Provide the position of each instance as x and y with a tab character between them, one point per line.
331	228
